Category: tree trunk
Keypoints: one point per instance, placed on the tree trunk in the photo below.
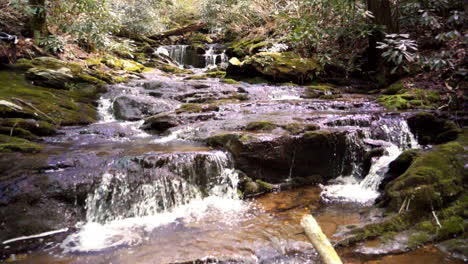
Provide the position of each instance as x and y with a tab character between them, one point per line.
382	12
37	26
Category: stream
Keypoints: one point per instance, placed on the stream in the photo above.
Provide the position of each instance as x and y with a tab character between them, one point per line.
171	197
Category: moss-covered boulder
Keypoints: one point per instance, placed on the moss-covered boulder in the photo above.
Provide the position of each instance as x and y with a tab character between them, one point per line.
430	129
57	107
122	64
278	67
434	179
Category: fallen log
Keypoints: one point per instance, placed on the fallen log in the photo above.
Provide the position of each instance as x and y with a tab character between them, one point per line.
179	31
320	241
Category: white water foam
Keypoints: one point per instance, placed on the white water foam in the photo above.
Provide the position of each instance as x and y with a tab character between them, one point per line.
105	110
94	237
163	201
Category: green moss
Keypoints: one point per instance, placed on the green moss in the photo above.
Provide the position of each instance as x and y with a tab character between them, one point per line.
240	97
433	179
14	144
260	126
294	128
395	88
426	226
285	66
200	38
216	74
39	128
414	98
251	188
418	239
244	47
395	102
264	186
55	106
190	108
122	64
452	226
93	62
229	81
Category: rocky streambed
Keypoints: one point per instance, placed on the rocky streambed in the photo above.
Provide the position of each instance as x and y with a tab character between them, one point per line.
174	170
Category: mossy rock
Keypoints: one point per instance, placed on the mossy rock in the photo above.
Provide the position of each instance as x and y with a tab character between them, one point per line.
122	64
260	126
278	67
190	108
228	81
265	186
39	128
199	38
246	46
432	180
316	91
216	74
430	129
14	144
403	162
411	99
48	105
395	88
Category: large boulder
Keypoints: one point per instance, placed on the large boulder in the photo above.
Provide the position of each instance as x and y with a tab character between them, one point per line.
139	107
50	78
275	158
430	129
278	67
434	179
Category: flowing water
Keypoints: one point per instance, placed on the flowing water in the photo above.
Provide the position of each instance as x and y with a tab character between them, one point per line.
170	198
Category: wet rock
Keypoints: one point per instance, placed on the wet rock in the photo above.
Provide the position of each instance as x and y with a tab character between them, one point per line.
161	122
457	248
274	158
139	107
430	129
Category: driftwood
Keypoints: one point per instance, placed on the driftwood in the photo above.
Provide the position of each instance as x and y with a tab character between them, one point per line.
179	31
320	241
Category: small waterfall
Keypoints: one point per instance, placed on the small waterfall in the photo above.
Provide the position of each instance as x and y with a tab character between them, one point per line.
157	183
178	53
105	110
188	56
394	136
142	193
213	58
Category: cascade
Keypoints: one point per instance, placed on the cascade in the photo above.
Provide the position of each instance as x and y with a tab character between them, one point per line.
140	194
394	136
185	55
